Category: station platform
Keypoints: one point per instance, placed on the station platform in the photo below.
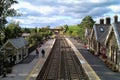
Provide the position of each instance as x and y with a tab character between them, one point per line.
91	74
96	63
94	69
29	70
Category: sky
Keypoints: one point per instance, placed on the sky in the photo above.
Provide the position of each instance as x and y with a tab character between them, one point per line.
42	13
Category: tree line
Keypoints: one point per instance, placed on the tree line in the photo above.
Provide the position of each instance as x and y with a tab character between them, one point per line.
78	31
13	30
6	11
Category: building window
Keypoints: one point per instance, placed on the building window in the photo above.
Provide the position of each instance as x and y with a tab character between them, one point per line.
101	29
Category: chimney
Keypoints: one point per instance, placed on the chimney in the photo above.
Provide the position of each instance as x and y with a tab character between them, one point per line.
108	20
115	18
102	21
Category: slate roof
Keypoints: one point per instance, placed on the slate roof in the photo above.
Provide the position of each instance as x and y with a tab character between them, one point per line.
16	42
103	37
100	34
116	29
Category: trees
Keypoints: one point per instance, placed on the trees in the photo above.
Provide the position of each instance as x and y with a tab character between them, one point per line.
78	30
38	35
87	22
12	30
26	30
5	11
66	28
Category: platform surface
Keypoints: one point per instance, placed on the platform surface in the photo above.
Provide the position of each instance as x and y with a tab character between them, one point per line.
96	63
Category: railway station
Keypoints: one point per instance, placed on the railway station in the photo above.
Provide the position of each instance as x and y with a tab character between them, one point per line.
65	63
64	60
59	40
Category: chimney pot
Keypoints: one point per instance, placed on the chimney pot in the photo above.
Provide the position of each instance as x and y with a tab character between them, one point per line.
102	21
115	18
108	20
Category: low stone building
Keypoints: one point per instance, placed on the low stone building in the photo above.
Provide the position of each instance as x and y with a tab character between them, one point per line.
105	41
87	35
98	31
113	44
15	50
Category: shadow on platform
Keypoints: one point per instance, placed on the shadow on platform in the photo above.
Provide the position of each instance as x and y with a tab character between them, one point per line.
28	59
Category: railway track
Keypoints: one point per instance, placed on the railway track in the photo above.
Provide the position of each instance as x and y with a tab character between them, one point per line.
62	64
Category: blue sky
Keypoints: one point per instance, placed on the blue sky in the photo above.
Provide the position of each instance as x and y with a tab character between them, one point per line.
40	13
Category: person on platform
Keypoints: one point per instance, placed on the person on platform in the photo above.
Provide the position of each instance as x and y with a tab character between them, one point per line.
43	53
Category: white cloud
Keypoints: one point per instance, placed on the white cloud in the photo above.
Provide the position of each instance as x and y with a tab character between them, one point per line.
33	19
97	1
45	10
115	8
58	12
69	1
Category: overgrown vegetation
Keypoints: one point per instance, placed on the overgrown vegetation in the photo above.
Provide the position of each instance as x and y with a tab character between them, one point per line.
6	11
37	35
78	31
87	22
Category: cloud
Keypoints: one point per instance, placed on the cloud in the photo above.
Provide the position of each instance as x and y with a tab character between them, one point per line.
29	7
44	21
59	12
99	11
115	8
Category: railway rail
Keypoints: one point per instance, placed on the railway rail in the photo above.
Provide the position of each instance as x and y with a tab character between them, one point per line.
62	64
